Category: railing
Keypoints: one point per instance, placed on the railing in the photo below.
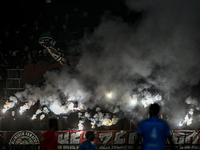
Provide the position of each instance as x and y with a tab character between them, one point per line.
13	82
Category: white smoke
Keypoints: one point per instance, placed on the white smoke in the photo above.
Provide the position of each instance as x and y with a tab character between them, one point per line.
169	34
128	65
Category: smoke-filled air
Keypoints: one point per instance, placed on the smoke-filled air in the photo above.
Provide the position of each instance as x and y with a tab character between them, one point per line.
125	67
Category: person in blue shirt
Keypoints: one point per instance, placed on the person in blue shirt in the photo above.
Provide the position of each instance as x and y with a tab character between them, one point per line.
154	131
88	145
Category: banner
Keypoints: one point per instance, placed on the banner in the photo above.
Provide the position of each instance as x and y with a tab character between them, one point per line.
104	139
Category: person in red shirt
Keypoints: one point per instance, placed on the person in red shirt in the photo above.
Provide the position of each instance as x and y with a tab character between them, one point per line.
49	140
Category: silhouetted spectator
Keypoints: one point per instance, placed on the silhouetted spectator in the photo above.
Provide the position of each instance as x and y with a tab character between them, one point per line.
6	41
14	59
36	30
24	32
88	145
66	19
27	56
154	131
49	140
85	22
43	55
74	21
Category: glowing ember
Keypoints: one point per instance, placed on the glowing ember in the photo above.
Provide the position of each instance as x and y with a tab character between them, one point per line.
109	95
34	117
45	110
38	111
21	112
134	100
80	125
13	113
180	124
9	103
93	124
144	104
115	120
24	108
4	110
107	122
188	118
6	106
71	106
135	97
42	116
81	107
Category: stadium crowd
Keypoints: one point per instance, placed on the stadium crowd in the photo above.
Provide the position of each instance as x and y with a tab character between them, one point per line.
19	44
67	21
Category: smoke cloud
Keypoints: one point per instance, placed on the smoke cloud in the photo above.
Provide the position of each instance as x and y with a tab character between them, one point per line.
129	65
170	34
162	50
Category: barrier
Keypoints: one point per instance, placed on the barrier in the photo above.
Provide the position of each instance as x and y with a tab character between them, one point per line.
104	139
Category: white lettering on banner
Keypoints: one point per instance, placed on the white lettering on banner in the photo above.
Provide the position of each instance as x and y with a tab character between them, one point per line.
192	138
60	147
118	137
75	138
179	138
24	138
120	147
84	135
131	138
63	138
65	147
185	137
105	137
